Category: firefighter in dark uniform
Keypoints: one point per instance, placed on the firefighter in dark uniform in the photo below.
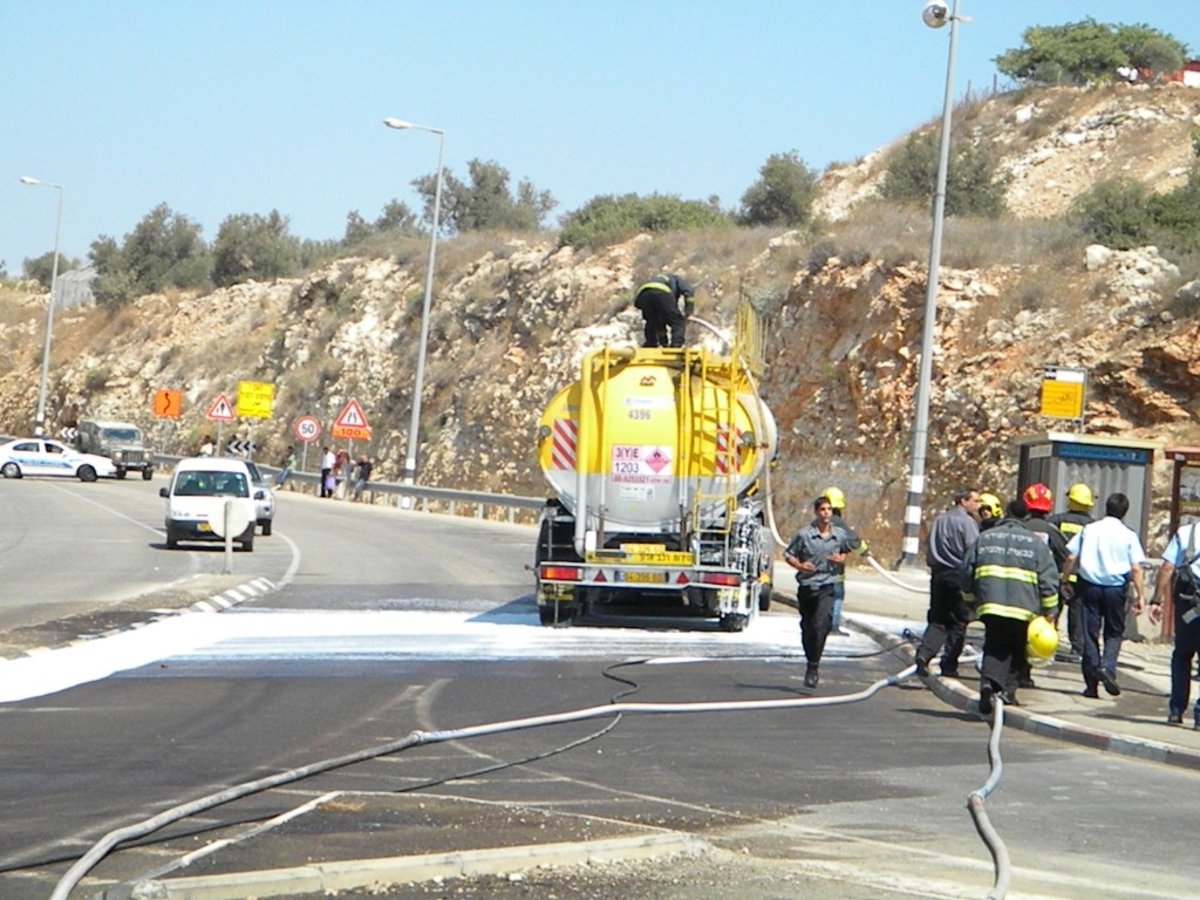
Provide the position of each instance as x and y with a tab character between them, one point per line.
1039	500
1080	501
658	299
1010	573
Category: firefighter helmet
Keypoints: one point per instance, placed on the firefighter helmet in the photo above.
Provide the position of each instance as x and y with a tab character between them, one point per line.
1038	498
992	504
1079	496
836	498
1041	640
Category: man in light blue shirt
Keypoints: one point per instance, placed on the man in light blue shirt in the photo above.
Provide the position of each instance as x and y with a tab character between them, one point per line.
1179	578
1106	556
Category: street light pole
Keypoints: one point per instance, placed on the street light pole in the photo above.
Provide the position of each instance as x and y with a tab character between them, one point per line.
410	458
39	420
935	15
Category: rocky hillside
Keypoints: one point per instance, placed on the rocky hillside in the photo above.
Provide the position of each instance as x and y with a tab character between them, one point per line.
512	321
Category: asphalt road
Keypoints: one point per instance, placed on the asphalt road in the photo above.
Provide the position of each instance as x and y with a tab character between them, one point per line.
388	622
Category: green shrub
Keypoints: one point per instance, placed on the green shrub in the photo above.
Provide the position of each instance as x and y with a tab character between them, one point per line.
607	218
96	379
974	184
783	195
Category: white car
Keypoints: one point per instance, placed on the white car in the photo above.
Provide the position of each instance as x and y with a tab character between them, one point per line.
265	507
197	498
39	456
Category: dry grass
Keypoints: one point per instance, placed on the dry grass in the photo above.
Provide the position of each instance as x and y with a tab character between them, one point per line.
896	234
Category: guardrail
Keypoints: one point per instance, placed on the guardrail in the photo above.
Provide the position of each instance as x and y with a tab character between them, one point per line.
424	499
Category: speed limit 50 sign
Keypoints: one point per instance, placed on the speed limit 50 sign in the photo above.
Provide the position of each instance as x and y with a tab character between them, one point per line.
307	429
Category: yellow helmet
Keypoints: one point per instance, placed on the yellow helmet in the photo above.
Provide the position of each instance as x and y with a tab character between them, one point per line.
992	504
1079	496
1041	640
836	498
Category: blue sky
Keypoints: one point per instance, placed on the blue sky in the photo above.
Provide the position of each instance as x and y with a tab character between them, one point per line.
218	108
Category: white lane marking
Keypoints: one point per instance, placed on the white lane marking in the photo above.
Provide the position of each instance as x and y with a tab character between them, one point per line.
295	564
388	635
108	509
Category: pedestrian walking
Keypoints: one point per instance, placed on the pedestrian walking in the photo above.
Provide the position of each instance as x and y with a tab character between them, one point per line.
951	533
362	475
1179	579
1107	556
1009	574
286	464
658	300
815	552
207	445
838	500
1080	501
327	479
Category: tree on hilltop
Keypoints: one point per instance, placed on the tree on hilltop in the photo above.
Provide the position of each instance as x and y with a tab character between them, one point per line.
487	202
975	185
1089	52
41	268
253	246
783	194
607	218
164	250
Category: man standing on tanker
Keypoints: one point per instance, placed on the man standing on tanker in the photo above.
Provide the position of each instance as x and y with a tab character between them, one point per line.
658	299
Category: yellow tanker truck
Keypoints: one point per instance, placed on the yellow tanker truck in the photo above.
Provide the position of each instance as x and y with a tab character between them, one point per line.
656	458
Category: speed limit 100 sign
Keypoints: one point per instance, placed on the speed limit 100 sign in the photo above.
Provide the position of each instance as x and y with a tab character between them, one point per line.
307	429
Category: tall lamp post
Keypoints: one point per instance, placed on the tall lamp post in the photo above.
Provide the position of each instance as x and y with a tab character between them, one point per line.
39	420
935	15
410	457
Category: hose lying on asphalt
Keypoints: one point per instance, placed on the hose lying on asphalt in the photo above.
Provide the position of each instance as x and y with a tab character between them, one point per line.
420	738
991	838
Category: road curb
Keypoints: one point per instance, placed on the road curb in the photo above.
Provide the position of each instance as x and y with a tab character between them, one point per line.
955	694
233	596
365	873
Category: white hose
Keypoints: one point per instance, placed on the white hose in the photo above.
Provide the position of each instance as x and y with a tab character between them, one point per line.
418	738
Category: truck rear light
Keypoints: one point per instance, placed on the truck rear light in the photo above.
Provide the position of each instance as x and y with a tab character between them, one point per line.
561	573
725	579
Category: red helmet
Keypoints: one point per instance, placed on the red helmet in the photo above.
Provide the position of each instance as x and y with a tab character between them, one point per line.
1038	498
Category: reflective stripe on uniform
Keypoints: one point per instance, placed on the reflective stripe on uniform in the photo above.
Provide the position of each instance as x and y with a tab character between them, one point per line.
653	286
1008	573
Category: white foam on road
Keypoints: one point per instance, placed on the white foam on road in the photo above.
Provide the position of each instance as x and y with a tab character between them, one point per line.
391	635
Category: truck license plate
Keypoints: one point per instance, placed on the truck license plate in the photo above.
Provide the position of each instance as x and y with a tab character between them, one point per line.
642	577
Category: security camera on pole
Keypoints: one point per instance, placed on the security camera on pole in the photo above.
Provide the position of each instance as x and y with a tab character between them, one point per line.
935	15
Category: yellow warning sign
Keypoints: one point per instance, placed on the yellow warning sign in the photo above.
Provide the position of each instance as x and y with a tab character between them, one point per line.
1063	392
255	399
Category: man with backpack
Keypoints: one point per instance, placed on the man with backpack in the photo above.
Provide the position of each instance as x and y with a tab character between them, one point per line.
1180	575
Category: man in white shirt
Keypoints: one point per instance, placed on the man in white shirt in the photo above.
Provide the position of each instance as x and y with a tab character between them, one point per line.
1180	577
1106	556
